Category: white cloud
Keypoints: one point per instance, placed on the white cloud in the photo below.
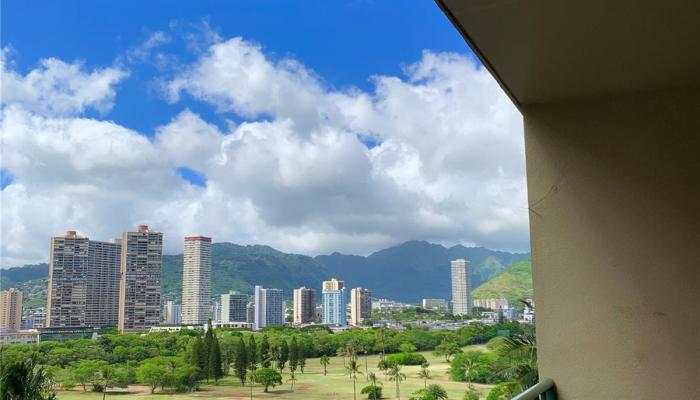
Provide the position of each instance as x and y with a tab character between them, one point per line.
449	166
59	88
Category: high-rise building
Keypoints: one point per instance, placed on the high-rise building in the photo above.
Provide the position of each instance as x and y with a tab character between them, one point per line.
461	288
139	289
268	307
360	306
334	302
234	307
304	307
11	309
172	313
83	287
196	280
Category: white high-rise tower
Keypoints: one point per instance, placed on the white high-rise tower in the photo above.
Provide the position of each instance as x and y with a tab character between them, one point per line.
196	280
461	288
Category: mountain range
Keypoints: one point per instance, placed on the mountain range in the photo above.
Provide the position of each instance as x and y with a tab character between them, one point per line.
407	272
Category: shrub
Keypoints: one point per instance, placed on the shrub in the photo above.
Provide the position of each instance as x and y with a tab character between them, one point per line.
373	392
406	359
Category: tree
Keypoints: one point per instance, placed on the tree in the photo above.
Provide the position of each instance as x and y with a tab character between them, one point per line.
432	392
342	352
267	377
112	376
471	394
151	373
24	380
447	349
407	348
263	353
352	369
324	360
251	380
384	366
240	363
301	355
293	359
199	356
84	372
424	374
517	360
373	390
228	345
214	360
252	357
210	356
282	355
395	375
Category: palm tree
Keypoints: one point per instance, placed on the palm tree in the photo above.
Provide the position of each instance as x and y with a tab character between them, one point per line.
250	377
424	374
468	364
397	376
365	349
324	360
517	360
352	369
24	380
342	352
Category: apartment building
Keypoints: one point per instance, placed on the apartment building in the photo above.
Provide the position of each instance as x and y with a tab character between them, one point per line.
461	287
83	288
268	307
10	309
360	306
304	305
139	289
334	302
196	280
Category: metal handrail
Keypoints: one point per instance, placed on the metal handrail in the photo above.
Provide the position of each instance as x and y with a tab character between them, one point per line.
544	390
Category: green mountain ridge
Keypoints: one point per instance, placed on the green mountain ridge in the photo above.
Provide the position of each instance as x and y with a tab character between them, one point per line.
407	272
513	283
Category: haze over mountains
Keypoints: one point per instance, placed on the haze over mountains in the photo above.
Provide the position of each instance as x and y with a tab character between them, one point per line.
407	272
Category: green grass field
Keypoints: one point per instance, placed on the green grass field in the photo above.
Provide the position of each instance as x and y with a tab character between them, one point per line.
310	385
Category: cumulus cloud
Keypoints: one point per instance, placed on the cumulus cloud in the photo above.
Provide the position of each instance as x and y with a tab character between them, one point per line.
448	165
59	88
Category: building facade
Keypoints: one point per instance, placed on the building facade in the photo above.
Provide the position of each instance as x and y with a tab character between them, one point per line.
492	304
83	287
434	304
196	280
234	307
268	307
334	303
139	289
11	309
172	313
461	287
304	307
360	306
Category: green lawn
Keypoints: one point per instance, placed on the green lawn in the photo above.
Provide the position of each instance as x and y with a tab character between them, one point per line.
310	385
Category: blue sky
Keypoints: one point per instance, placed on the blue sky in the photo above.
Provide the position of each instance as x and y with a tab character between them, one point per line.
344	42
310	126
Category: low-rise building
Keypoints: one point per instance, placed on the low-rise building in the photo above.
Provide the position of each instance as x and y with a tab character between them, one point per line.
27	336
434	304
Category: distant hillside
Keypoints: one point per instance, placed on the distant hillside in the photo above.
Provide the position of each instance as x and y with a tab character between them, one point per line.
407	272
13	277
513	283
416	269
236	267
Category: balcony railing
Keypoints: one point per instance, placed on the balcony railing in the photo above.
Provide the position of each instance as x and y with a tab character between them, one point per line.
544	390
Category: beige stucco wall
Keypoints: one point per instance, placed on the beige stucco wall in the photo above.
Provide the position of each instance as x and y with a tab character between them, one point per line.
614	193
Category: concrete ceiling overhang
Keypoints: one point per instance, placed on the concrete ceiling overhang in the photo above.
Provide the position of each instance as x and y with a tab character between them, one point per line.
546	51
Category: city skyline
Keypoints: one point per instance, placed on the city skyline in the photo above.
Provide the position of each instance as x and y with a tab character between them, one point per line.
159	122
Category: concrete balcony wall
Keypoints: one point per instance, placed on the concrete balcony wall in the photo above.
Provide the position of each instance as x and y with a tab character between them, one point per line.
614	196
